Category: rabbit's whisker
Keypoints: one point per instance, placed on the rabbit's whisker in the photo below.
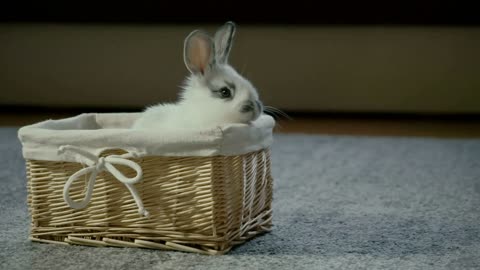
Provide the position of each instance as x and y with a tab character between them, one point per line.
277	112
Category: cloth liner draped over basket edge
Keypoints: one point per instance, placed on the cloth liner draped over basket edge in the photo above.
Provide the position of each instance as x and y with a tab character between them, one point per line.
97	132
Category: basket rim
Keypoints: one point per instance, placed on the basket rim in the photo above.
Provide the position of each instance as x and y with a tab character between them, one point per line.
98	132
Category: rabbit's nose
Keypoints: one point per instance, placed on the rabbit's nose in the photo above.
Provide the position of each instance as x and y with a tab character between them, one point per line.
259	105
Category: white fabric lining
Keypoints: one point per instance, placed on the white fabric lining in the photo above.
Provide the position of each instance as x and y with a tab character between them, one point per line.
97	132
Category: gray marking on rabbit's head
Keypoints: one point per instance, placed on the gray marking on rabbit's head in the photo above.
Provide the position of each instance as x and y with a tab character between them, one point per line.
207	60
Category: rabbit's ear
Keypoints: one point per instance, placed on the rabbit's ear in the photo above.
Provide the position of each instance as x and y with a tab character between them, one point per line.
198	52
223	42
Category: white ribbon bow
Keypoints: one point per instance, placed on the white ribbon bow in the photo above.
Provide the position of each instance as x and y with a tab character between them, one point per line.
97	165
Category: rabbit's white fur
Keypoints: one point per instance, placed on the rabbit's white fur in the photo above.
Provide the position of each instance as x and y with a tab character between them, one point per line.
200	104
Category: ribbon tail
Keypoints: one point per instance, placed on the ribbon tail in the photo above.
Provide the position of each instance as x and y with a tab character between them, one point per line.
138	200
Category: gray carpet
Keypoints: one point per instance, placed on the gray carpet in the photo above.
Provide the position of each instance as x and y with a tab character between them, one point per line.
340	203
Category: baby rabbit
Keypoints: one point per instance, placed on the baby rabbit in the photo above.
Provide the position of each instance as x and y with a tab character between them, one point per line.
214	93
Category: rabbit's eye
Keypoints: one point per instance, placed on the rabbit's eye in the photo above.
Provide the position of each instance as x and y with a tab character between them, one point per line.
225	92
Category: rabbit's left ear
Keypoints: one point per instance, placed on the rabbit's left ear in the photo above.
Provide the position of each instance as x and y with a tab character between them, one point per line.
223	42
198	52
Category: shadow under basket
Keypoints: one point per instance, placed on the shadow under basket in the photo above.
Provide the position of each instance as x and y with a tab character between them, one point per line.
202	204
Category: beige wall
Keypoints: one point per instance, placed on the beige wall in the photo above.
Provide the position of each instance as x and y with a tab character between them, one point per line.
376	69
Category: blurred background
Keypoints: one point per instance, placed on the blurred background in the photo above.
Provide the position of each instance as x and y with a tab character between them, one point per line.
350	68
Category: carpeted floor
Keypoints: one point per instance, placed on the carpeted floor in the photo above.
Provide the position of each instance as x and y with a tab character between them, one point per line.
339	203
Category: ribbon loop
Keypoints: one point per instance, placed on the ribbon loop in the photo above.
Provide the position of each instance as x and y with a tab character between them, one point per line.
90	185
119	175
100	164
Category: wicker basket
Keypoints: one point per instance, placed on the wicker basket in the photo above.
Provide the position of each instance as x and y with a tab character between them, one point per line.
203	204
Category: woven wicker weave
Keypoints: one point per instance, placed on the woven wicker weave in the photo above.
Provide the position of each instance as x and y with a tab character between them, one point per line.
196	204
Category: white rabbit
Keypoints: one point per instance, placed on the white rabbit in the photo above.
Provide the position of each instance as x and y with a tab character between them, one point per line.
214	94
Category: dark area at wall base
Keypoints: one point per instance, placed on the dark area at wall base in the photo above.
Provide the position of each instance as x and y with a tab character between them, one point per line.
437	116
346	123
